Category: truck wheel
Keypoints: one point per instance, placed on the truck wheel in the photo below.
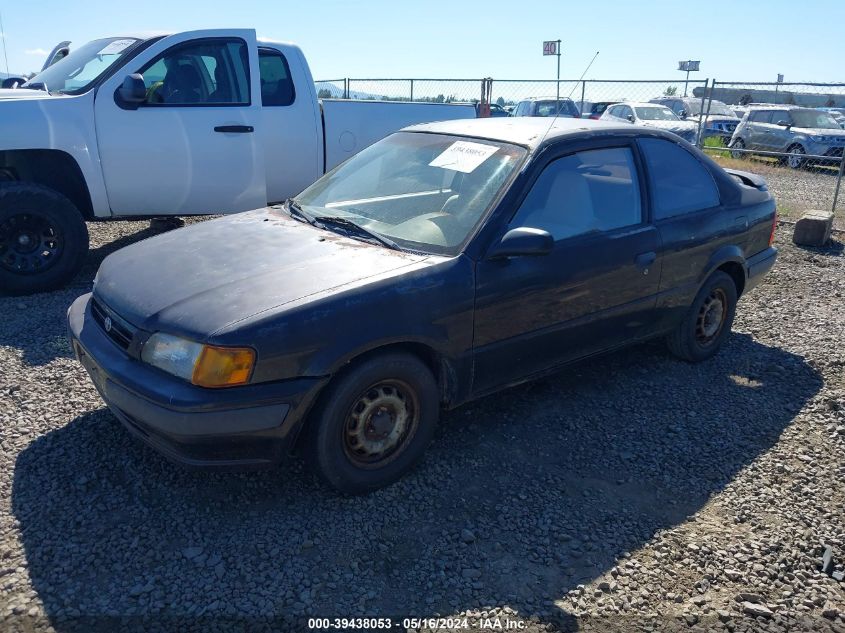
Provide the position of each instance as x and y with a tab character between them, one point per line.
708	321
43	239
374	423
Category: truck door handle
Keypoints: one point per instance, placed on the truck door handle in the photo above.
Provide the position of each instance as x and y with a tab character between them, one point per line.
234	129
644	260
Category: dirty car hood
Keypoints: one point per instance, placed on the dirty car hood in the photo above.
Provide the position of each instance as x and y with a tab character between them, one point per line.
196	280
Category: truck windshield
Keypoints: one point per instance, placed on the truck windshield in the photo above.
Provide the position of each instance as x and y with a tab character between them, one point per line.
83	66
425	192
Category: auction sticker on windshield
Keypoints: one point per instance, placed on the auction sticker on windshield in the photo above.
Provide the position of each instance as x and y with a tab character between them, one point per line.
118	46
463	156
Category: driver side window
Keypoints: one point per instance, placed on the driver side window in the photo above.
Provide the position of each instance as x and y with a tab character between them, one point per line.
591	191
201	72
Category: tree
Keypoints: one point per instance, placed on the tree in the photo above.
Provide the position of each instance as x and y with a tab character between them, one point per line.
671	91
324	93
500	102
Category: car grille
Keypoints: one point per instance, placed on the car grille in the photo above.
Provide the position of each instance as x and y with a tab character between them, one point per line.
116	328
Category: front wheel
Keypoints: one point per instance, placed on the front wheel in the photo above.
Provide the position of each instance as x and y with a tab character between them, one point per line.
738	145
43	239
795	157
374	423
708	321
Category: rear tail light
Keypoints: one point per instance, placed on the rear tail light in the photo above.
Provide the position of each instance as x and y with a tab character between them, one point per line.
774	226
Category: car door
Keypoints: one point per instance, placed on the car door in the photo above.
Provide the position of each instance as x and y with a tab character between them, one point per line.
755	128
191	147
778	136
595	290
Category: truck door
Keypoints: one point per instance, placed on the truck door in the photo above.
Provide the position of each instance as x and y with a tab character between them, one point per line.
191	146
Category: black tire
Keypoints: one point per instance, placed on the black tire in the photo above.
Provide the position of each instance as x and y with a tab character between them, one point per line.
43	239
335	429
693	339
738	144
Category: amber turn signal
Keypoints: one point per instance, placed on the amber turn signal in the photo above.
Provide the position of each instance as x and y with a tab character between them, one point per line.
223	366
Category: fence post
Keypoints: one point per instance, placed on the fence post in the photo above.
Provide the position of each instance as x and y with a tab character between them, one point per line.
346	88
838	184
583	88
699	140
412	89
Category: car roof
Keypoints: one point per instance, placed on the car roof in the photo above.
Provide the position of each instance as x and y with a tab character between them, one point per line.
529	132
550	98
637	104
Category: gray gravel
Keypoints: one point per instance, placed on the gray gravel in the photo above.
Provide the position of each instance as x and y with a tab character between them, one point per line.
633	492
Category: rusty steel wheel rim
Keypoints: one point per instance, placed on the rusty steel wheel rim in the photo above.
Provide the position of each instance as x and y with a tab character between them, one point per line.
711	317
380	423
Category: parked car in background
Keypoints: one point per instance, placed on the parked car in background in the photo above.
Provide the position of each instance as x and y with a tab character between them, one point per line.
495	110
441	264
547	106
594	109
718	121
212	121
791	130
651	115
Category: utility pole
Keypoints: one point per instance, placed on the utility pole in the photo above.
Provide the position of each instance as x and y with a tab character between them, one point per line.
552	47
689	65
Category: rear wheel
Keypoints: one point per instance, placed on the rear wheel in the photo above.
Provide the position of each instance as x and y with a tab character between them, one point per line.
738	144
708	321
374	423
43	239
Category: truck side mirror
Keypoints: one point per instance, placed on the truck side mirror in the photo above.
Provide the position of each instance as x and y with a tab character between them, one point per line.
133	90
683	114
783	123
630	117
522	242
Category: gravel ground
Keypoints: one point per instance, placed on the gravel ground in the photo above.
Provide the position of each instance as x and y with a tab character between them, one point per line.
796	191
634	492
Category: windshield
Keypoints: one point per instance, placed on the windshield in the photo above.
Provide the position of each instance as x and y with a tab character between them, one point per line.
655	113
719	108
84	65
426	192
550	108
813	119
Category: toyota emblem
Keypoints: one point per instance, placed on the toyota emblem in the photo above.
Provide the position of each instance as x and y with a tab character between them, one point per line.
107	324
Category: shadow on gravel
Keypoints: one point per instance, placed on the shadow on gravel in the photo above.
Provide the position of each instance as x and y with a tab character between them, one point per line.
35	324
522	497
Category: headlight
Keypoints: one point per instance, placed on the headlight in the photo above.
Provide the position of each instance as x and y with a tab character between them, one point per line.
203	365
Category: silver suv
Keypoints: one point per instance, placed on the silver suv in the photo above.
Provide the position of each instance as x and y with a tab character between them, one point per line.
796	132
719	121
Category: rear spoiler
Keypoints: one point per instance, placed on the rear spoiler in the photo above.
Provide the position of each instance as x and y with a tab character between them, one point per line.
749	179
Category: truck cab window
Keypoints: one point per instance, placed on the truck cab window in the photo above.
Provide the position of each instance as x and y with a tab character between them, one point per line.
206	72
276	83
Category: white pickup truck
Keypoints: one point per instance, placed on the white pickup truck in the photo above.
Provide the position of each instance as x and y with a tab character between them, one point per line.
200	122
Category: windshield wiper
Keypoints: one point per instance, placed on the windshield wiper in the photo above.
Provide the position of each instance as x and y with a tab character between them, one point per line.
296	211
348	224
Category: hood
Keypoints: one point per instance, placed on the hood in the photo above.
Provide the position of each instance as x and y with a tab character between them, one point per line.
196	280
7	94
672	126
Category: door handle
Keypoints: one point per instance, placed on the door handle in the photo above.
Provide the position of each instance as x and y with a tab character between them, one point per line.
234	129
644	260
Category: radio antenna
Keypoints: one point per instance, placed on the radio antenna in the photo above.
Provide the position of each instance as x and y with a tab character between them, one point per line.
3	35
558	108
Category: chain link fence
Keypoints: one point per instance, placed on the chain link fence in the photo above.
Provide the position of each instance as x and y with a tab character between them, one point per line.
793	134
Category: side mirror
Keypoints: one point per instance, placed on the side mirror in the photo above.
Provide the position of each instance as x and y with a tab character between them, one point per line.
522	242
783	123
683	114
133	90
630	117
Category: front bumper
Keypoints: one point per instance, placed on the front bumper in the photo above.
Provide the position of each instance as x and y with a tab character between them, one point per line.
759	265
241	427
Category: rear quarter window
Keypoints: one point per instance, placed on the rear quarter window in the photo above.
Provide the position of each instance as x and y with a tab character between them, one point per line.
679	183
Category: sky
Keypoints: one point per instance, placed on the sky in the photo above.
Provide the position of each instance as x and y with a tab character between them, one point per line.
739	40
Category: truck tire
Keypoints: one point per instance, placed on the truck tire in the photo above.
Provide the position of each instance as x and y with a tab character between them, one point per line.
708	321
43	239
373	423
